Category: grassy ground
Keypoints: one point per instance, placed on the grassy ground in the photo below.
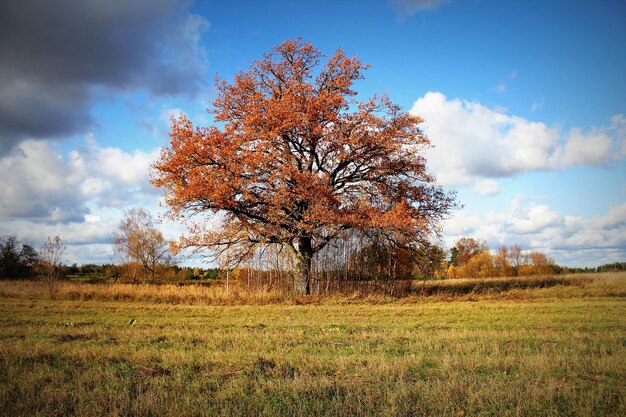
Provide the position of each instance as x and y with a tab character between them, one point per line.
552	351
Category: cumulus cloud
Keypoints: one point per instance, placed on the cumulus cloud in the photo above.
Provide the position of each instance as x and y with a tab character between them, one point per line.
74	233
90	240
86	242
534	225
57	55
486	187
407	8
41	186
80	196
533	220
591	149
474	142
47	187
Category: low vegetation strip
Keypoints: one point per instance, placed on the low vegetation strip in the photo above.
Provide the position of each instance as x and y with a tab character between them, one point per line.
603	284
546	356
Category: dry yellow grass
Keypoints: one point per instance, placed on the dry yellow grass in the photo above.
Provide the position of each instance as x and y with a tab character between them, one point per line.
604	284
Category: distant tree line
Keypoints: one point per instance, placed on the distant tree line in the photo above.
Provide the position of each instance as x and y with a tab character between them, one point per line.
471	258
352	258
356	257
18	258
614	267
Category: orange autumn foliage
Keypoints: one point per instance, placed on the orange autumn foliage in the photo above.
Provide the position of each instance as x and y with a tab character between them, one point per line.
294	159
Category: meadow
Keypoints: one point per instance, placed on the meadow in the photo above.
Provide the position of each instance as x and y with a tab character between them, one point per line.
550	346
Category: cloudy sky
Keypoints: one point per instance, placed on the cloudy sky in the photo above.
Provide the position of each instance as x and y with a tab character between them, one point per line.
525	103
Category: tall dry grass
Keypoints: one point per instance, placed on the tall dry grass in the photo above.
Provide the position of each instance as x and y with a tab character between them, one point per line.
167	293
603	284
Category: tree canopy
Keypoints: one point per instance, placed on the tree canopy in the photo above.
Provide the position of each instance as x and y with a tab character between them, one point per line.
17	258
294	159
139	239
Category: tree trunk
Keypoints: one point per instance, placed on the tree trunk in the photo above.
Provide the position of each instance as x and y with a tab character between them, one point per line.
302	283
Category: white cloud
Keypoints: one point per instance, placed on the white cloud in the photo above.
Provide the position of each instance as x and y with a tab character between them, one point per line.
97	253
486	187
122	168
89	240
90	218
474	142
615	217
534	219
40	184
591	149
572	240
72	233
80	196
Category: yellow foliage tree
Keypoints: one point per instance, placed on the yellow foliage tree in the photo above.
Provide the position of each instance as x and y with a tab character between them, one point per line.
478	266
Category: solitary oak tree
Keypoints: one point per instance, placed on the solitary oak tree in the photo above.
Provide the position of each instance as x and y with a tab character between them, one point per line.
294	159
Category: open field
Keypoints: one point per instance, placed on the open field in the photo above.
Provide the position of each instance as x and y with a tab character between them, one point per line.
519	350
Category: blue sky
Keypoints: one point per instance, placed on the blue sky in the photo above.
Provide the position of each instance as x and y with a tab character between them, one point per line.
525	103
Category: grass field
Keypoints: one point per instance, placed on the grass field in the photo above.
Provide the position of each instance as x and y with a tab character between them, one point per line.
555	350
